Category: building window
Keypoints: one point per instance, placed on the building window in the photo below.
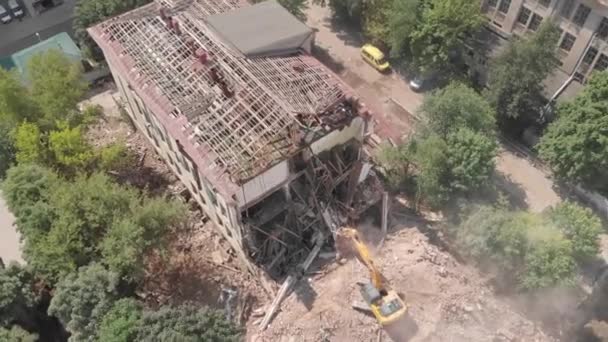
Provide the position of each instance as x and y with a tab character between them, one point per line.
590	56
492	3
602	63
602	30
544	3
535	22
524	15
567	42
567	8
582	12
504	6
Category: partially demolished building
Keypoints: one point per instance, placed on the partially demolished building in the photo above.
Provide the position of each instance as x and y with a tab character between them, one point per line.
266	138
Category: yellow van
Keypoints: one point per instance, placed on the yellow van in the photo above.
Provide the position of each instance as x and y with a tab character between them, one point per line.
374	57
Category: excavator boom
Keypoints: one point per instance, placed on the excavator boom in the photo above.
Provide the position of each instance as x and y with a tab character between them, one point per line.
385	303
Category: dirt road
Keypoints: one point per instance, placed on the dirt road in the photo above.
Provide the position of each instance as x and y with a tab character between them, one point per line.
388	95
9	238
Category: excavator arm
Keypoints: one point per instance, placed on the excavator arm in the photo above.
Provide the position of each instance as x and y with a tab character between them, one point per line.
364	255
386	304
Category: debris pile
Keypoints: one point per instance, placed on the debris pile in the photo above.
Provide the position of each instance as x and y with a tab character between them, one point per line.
447	300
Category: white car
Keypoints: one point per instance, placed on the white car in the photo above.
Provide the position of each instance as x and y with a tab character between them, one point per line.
5	17
15	8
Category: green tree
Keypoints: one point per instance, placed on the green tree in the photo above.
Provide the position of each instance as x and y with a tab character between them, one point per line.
15	106
130	239
347	9
402	18
122	322
115	157
17	334
7	149
396	161
431	157
524	247
516	76
25	185
56	86
443	28
295	7
70	149
460	163
90	12
580	225
470	159
186	323
458	106
575	145
29	144
375	17
82	300
17	297
495	236
548	260
83	211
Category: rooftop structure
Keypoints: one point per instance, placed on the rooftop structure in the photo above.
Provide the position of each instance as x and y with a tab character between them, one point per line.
61	42
240	97
267	140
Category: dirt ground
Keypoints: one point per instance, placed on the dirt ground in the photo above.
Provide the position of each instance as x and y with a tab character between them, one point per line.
448	300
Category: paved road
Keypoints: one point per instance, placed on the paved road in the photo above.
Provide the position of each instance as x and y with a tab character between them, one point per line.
389	96
9	238
20	34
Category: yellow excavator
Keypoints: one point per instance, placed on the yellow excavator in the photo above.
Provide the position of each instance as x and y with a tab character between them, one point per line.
386	304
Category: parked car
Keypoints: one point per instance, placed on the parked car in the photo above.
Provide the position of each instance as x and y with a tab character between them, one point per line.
15	8
374	57
5	17
422	81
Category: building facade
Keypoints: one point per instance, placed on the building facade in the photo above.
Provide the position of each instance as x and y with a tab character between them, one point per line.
262	134
583	43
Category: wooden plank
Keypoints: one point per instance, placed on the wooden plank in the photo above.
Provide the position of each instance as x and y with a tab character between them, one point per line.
290	281
384	218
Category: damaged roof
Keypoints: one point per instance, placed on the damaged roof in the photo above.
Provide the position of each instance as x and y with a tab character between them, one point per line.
263	29
234	115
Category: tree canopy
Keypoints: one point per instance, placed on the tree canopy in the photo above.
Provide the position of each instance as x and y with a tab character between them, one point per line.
17	334
122	321
580	225
56	86
88	219
516	76
186	323
82	299
402	19
17	296
575	145
526	248
457	106
15	105
442	30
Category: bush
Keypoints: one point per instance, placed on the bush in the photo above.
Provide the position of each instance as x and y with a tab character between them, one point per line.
455	107
548	260
186	323
115	157
16	334
470	159
82	299
524	247
580	226
122	322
